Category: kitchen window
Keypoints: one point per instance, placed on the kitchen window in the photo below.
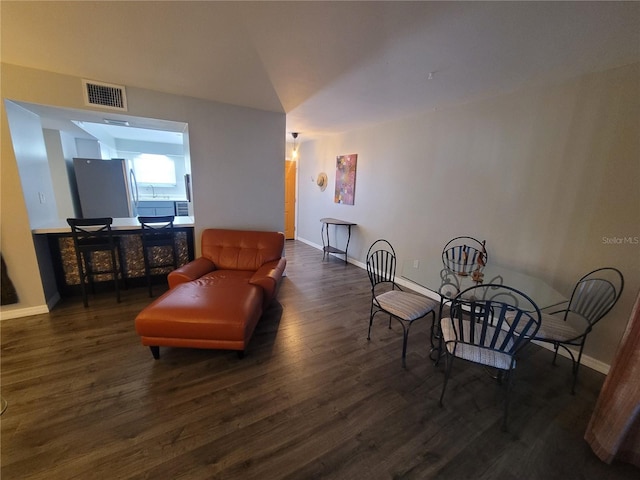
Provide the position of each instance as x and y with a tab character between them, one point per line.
153	169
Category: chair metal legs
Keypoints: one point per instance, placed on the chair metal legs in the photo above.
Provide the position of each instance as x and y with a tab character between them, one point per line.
506	399
576	366
405	331
405	337
575	363
370	322
436	336
508	373
447	372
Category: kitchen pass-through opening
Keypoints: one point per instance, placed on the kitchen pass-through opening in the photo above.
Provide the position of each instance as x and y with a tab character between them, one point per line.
148	159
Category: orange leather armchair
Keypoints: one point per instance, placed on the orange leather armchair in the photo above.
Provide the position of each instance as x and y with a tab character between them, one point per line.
216	300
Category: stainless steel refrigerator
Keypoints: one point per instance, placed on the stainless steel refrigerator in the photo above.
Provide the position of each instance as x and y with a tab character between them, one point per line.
106	188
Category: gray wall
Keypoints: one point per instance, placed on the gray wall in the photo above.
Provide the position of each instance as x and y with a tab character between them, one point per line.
545	175
21	200
59	172
237	157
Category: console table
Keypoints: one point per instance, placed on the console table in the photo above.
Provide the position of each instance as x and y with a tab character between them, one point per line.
324	232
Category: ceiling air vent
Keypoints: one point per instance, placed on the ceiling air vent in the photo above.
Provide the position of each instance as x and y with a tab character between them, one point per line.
104	95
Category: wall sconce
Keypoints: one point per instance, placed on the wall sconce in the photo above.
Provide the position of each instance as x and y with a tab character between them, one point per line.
294	153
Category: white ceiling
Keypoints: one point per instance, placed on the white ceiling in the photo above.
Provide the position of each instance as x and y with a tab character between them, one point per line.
112	132
330	66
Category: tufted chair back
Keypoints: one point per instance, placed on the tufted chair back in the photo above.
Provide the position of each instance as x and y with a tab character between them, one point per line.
241	250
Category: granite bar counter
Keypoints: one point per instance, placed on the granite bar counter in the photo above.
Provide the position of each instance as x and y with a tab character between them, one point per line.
62	251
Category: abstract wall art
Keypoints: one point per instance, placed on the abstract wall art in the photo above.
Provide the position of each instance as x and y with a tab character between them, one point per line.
346	179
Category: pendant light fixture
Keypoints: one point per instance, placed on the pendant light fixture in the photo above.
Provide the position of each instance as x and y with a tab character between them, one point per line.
294	153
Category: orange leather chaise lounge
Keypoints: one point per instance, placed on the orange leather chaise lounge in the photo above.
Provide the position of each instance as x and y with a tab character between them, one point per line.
216	300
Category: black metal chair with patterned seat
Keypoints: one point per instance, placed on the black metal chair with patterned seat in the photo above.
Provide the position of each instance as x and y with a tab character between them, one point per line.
158	245
98	252
387	296
463	255
489	325
594	295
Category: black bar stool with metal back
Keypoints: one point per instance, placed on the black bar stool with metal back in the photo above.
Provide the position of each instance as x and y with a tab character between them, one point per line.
158	232
91	236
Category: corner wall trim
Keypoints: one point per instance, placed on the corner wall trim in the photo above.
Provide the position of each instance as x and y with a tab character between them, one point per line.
51	302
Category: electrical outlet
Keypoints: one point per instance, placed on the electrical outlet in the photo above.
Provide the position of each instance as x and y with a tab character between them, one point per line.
416	264
42	198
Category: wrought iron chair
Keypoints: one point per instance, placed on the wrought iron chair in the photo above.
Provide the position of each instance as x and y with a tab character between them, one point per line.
489	325
387	296
460	256
463	255
594	295
158	235
91	236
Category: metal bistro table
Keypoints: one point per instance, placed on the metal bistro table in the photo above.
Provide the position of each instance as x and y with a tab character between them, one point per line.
324	232
447	283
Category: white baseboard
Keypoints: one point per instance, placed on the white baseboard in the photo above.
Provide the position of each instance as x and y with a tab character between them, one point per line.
9	313
586	360
339	256
310	243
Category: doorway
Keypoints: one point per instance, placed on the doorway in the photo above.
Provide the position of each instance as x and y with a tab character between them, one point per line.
290	171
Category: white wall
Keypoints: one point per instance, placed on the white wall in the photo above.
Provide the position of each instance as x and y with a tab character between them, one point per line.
237	157
59	173
20	201
88	148
35	175
70	152
542	174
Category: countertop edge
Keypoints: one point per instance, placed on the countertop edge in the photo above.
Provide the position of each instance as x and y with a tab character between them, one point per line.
61	225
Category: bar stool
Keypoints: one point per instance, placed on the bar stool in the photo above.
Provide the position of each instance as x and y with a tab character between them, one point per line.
157	232
90	236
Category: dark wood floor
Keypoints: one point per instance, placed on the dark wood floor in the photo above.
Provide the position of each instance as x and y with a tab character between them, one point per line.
312	398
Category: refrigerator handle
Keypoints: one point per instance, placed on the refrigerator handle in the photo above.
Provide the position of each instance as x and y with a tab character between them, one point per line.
187	186
134	184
